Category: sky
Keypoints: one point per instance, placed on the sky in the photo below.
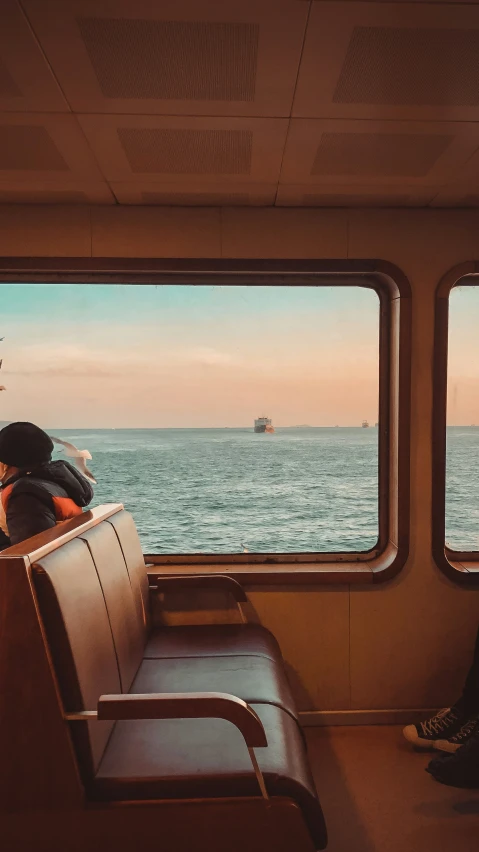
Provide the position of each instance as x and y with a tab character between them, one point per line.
138	356
463	357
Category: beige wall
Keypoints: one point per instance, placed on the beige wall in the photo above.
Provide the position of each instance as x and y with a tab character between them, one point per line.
402	645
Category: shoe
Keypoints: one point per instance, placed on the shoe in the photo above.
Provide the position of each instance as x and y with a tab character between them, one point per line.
452	744
460	769
443	725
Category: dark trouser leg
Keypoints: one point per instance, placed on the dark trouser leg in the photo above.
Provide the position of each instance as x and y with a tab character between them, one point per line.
469	701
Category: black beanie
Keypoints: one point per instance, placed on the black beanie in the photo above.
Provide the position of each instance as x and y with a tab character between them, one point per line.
24	445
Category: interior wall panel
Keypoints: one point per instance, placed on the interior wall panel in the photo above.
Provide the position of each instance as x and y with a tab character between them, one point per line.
155	232
312	627
40	231
284	233
208	194
394	660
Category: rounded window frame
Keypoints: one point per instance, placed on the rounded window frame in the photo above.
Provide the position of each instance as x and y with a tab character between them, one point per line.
462	567
394	292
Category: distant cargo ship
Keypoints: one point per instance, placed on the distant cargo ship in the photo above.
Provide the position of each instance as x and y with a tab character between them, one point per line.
365	424
263	424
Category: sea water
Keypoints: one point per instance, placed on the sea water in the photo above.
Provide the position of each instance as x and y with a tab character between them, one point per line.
226	490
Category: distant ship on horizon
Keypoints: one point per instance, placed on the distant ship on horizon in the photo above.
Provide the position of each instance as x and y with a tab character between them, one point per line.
263	424
365	424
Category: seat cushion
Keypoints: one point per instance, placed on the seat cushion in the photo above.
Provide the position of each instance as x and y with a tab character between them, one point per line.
127	626
215	640
208	758
125	530
254	679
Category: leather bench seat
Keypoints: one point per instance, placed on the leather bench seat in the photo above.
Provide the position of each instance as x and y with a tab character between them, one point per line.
215	640
94	598
254	679
207	758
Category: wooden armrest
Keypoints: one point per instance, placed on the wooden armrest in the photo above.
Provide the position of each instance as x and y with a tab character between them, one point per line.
198	581
191	705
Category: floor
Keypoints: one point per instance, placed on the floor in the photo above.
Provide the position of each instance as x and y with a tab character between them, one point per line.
377	797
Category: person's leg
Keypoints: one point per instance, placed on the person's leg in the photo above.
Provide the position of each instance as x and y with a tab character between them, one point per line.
449	729
468	703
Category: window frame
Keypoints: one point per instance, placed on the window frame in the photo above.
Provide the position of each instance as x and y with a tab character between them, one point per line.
389	555
460	566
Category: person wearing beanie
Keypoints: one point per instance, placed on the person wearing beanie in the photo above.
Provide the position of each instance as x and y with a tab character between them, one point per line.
36	493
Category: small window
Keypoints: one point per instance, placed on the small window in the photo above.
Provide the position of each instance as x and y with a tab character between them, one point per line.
462	431
455	496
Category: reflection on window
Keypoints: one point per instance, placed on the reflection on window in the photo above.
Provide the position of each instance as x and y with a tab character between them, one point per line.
163	385
462	462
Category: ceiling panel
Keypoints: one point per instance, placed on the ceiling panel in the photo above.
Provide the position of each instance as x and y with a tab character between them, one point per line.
44	146
336	152
190	58
44	192
183	151
390	60
201	195
352	195
26	81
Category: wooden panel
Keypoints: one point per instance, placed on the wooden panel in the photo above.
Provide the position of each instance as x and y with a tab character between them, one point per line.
312	628
207	194
36	755
46	542
284	233
354	195
37	231
412	646
252	824
155	232
42	191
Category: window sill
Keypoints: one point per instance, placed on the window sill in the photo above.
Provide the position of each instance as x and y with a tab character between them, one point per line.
377	570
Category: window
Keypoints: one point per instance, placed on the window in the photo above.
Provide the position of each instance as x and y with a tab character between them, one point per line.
455	499
245	422
462	457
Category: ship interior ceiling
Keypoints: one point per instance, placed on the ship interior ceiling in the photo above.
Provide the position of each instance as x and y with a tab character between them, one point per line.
275	142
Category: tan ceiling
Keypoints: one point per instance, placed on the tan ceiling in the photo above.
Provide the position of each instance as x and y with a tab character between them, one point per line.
245	102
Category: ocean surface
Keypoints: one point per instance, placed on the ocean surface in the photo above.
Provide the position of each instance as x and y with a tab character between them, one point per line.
219	490
222	490
462	488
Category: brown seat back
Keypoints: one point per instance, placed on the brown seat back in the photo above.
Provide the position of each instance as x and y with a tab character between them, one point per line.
78	630
127	624
125	529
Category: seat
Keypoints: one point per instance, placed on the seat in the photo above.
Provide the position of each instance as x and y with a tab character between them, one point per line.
253	677
257	680
197	759
212	738
186	641
212	640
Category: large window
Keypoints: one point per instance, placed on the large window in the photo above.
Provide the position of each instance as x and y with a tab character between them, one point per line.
163	385
462	459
